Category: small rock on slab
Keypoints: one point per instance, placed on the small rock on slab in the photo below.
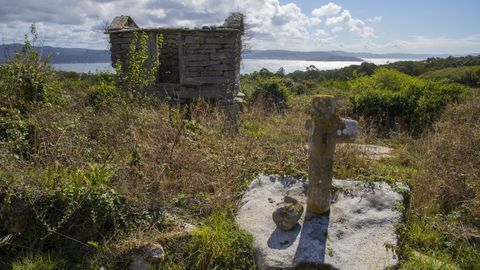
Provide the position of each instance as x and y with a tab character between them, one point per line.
361	221
287	214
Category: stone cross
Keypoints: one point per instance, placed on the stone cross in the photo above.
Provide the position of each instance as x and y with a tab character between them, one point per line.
325	129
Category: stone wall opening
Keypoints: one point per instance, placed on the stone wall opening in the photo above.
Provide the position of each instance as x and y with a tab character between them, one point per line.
169	71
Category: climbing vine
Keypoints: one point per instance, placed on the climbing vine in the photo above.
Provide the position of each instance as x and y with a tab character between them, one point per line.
140	69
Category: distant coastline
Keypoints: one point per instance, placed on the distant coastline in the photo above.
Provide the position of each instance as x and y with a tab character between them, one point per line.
247	66
303	56
58	55
332	55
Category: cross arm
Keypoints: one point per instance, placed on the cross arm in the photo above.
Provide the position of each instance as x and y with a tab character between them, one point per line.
347	131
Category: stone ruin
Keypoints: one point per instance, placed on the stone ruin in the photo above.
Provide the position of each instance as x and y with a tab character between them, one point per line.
194	63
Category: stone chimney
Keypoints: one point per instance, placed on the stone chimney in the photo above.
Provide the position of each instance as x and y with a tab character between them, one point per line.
122	22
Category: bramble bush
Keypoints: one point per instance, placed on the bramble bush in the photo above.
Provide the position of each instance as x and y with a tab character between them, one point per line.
15	132
74	212
389	99
272	94
103	93
25	81
27	76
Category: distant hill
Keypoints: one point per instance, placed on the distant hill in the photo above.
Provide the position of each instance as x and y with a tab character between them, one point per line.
293	55
59	55
78	55
330	55
390	55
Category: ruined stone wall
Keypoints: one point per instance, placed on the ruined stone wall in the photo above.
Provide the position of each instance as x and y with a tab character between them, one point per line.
212	62
193	62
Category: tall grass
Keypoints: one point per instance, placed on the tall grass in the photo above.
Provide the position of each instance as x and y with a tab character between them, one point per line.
443	221
90	164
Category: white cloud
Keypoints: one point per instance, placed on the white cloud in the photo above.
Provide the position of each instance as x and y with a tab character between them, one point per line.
337	29
432	44
414	44
328	9
272	24
321	33
340	20
359	27
375	19
355	25
315	21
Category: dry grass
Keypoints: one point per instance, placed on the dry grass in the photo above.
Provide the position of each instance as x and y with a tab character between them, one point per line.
158	158
450	182
443	218
191	169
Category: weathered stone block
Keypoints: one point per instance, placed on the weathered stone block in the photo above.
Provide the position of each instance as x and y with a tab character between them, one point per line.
221	56
193	74
193	69
229	61
202	63
204	80
203	51
220	67
229	46
196	57
120	40
229	74
191	47
211	46
122	35
194	39
119	52
231	51
170	37
226	40
212	73
115	47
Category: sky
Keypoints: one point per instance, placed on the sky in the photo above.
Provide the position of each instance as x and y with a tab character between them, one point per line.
377	26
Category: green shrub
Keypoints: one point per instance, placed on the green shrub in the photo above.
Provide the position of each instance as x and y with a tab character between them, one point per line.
103	93
469	76
220	244
15	132
73	210
301	88
390	99
416	68
272	94
435	246
27	76
38	262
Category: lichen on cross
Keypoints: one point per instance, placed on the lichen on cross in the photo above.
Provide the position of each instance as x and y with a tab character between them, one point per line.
325	129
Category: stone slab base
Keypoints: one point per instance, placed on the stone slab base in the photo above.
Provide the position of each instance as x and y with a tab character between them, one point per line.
353	236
